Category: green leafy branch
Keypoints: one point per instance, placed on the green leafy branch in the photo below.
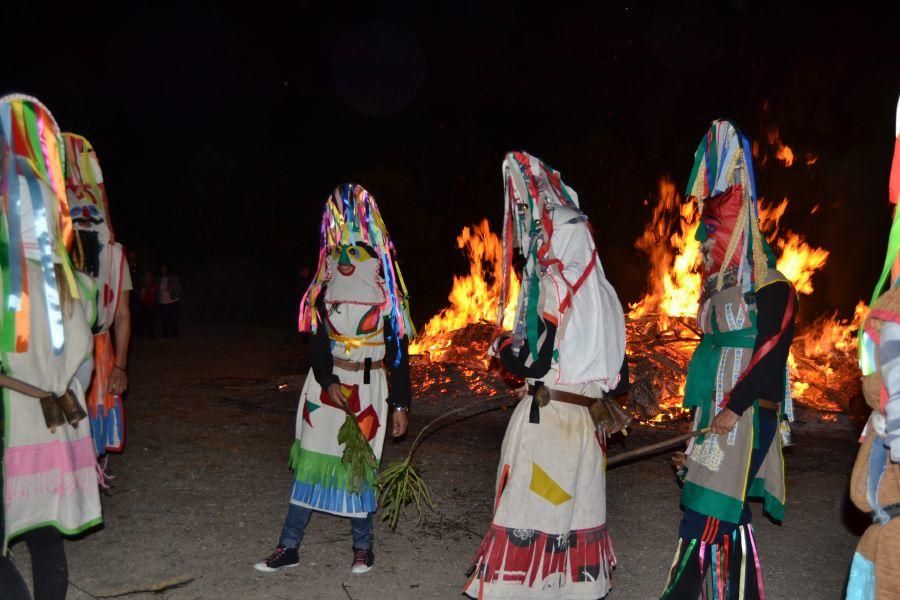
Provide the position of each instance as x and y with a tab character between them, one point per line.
358	455
400	484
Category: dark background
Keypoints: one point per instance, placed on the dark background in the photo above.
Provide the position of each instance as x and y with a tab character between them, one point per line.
222	128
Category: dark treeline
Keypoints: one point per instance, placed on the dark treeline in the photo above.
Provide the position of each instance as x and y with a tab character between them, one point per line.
222	129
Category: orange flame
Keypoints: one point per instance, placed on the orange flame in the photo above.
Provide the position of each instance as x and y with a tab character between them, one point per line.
674	255
785	155
675	288
474	297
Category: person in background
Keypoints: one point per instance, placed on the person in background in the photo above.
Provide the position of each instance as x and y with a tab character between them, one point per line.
168	297
147	305
133	299
49	472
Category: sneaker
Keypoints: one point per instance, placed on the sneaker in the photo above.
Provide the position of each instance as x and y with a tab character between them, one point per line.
362	561
280	559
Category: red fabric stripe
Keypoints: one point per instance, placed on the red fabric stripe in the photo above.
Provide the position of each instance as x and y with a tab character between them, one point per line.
767	346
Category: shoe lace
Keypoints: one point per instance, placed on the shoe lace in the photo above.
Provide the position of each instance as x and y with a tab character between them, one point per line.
360	555
278	552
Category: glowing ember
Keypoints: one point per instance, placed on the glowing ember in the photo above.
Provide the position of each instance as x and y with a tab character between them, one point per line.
785	155
783	152
473	298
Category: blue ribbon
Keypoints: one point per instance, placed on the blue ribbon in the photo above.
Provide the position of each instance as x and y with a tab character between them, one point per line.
51	290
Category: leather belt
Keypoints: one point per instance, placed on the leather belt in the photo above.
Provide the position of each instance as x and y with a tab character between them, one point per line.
559	396
768	404
352	365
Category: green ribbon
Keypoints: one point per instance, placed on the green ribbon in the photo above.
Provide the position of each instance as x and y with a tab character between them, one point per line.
866	345
701	374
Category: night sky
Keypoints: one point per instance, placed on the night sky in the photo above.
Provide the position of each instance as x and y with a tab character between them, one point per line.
222	128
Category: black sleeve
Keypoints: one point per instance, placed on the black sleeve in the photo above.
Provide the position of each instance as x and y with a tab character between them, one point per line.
766	380
320	349
624	384
400	394
516	364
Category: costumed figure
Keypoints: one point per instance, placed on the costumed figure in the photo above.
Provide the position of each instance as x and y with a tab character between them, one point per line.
96	253
356	311
875	483
548	536
49	476
737	382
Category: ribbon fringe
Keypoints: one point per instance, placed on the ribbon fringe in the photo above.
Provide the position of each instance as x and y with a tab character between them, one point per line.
729	569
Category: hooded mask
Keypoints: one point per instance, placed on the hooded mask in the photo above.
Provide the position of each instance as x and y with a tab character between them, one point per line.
357	261
94	250
722	181
562	280
35	218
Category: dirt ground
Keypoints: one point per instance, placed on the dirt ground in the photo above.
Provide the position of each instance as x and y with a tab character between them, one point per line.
201	492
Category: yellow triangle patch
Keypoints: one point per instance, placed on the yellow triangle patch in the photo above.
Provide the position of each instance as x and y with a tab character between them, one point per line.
544	486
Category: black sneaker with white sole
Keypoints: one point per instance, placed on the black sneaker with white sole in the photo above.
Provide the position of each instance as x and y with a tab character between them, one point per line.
280	559
363	559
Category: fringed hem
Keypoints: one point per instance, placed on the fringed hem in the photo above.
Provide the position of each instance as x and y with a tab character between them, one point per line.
730	569
334	500
322	482
545	561
108	430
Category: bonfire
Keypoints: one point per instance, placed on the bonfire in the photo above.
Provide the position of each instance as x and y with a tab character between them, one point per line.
451	352
662	332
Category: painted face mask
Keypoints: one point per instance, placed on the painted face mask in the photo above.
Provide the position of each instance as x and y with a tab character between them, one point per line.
717	222
88	205
357	261
354	275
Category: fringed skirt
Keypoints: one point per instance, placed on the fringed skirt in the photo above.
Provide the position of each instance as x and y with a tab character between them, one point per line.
548	536
723	568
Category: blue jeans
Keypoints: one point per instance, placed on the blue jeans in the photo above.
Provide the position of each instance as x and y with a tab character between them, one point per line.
298	517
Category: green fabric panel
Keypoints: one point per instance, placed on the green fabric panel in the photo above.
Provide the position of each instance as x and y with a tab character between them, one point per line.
773	507
701	374
757	489
35	139
770	254
712	503
699	157
892	250
8	322
531	316
326	470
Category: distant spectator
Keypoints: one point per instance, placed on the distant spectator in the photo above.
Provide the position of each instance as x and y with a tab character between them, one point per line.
146	321
131	257
168	298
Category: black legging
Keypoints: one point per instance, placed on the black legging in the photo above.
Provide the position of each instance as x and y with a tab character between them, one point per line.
48	568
